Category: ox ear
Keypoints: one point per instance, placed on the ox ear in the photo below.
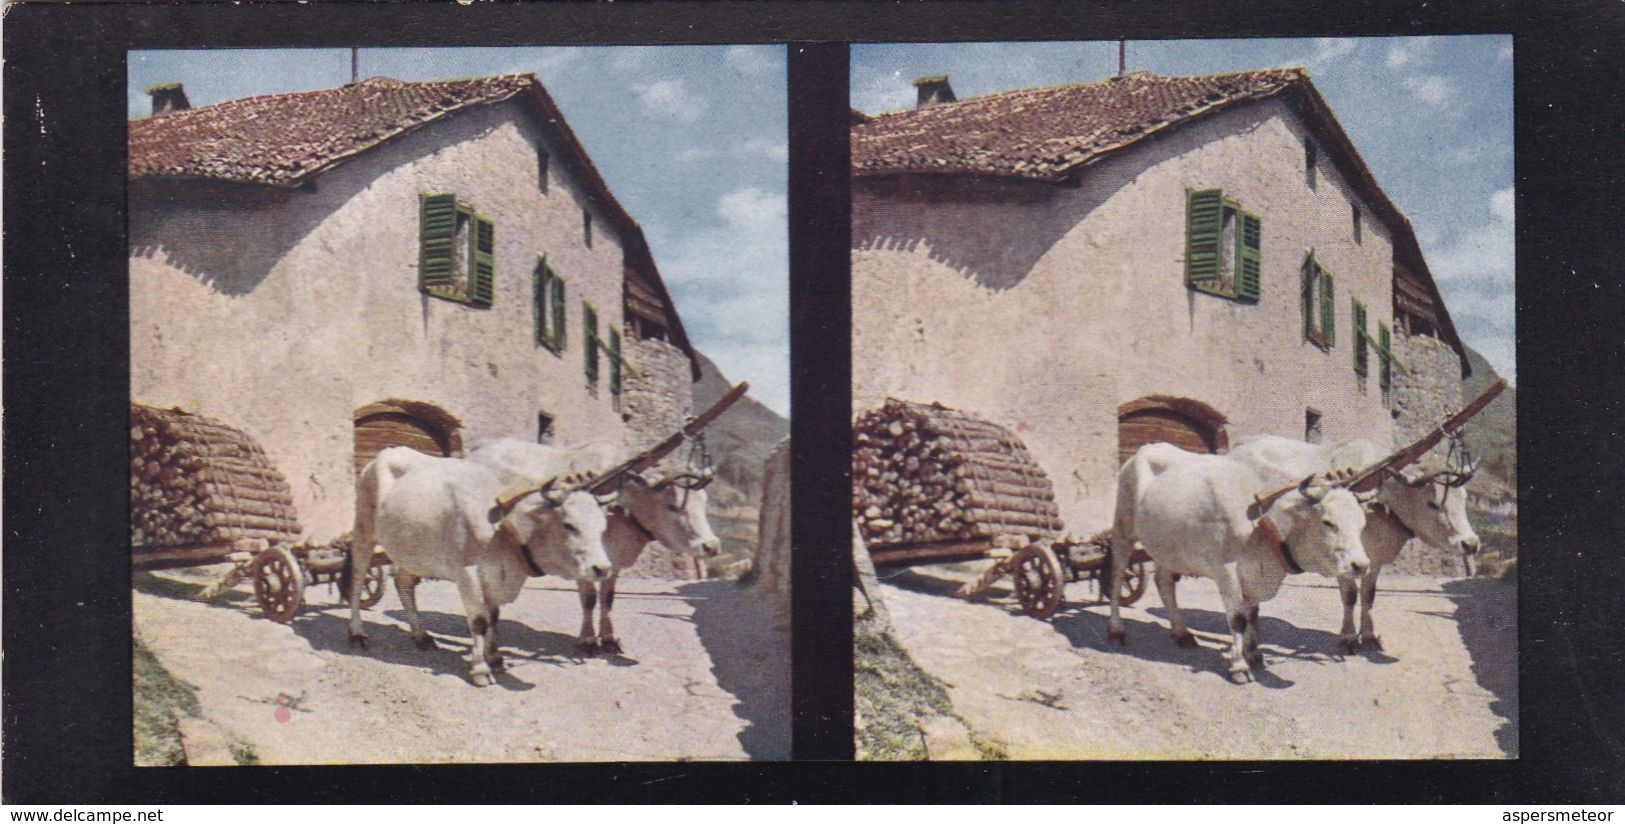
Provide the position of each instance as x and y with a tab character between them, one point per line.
519	523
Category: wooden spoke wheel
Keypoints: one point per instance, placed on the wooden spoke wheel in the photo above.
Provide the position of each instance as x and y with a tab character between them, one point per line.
1037	576
1134	581
372	587
279	583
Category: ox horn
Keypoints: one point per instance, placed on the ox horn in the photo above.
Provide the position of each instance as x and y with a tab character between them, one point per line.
552	494
1310	483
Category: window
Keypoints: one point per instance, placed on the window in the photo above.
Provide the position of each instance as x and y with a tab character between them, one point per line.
456	250
1311	425
614	360
1223	246
1356	223
541	168
548	307
586	227
1309	162
589	340
1361	339
1318	306
544	427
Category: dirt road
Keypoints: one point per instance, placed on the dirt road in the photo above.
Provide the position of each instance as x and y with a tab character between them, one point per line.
1444	687
704	676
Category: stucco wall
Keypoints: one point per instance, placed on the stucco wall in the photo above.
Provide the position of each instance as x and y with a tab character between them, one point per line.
1047	315
286	317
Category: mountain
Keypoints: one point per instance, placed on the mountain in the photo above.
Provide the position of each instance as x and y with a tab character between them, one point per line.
738	442
1493	434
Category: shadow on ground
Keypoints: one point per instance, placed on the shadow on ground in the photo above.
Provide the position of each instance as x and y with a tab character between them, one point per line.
751	661
1487	618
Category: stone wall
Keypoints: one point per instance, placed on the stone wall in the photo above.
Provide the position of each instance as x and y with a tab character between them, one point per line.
770	569
656	399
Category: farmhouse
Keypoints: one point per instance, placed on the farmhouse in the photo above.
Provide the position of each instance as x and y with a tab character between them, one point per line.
432	264
1140	259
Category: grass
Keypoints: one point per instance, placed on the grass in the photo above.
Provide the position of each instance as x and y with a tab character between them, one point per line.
160	702
892	695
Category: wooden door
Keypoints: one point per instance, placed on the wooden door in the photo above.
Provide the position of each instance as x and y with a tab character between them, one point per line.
381	430
1138	428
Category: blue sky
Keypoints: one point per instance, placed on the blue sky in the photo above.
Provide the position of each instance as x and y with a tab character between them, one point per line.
691	140
1431	116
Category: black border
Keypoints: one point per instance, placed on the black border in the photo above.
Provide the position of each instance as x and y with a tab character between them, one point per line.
66	675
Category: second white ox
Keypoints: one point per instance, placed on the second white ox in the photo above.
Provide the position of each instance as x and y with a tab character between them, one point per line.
437	518
1427	504
669	509
1196	515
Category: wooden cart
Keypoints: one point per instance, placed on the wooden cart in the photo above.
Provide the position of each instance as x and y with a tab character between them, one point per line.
1038	569
281	573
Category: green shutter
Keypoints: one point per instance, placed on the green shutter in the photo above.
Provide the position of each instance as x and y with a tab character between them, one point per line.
483	264
1359	336
614	360
1385	370
540	287
589	339
1249	257
1307	296
1204	223
560	339
1328	309
437	240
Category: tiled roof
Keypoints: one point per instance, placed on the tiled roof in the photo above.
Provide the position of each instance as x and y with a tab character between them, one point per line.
1042	134
281	138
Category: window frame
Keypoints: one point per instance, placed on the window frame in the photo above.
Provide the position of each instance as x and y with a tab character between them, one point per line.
548	307
1235	273
1318	302
589	340
1361	338
438	252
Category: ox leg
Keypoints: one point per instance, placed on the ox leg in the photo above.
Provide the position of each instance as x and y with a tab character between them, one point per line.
1121	549
493	651
479	626
406	586
1368	595
1250	651
587	641
1236	614
1347	639
1167	582
606	627
359	560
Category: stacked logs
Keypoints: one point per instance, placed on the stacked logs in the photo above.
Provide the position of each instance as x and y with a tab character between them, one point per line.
928	474
195	481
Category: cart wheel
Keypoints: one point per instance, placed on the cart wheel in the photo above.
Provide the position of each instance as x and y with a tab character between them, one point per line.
372	587
1134	578
1037	577
279	583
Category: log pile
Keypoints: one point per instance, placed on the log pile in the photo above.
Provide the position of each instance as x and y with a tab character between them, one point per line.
928	474
196	481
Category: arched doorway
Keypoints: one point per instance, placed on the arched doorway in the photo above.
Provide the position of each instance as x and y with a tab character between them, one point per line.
421	426
1190	425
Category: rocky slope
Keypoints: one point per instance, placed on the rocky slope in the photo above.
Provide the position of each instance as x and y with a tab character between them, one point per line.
739	442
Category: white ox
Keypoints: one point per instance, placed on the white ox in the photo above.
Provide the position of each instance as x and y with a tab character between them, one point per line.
437	518
670	510
1196	515
1427	504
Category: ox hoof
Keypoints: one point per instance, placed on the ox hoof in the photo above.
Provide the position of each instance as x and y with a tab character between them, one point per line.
1347	645
481	679
1255	659
497	664
358	641
1184	639
610	646
425	643
1117	636
1371	642
1240	676
587	648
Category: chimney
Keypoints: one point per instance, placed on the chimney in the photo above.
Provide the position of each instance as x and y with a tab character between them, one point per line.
933	90
168	97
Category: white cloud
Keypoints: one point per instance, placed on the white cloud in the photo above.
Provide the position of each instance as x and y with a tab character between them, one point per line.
1476	275
885	93
1330	53
1431	89
1408	51
1505	54
736	266
756	148
671	98
751	59
770	149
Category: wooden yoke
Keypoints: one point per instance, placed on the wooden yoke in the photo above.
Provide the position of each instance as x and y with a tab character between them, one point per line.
1368	478
643	460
